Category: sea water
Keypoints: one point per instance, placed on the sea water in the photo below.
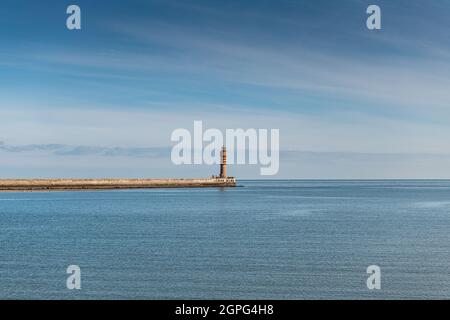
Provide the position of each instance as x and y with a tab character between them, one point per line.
262	240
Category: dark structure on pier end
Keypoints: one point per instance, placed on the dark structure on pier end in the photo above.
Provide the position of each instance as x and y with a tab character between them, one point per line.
223	164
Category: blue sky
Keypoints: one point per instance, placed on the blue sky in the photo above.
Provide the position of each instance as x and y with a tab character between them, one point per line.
102	101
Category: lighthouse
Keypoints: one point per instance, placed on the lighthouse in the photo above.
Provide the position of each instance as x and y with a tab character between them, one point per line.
223	164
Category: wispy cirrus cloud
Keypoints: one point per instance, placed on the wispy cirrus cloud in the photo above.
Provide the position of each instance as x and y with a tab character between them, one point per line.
409	74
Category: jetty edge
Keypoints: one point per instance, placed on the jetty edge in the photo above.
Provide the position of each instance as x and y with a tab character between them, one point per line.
99	184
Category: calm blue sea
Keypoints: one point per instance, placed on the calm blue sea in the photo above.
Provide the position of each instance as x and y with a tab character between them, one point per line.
263	240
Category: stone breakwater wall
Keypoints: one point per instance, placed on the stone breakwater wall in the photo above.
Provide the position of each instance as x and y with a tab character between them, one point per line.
93	184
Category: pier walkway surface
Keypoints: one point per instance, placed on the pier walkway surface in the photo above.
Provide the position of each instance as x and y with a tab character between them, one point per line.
93	184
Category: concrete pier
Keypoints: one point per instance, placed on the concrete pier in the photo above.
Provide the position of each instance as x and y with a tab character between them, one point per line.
98	184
